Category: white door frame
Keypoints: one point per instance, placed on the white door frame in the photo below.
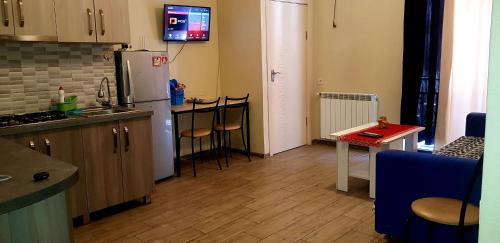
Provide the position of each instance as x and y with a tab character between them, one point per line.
265	6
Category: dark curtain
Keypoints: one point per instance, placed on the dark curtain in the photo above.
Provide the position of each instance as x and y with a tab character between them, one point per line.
423	27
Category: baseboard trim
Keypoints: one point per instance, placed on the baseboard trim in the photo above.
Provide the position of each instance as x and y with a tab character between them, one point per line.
263	156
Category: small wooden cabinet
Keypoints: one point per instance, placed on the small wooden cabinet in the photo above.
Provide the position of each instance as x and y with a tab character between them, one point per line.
103	21
75	20
112	21
7	25
35	18
137	141
119	162
32	20
67	145
104	167
29	140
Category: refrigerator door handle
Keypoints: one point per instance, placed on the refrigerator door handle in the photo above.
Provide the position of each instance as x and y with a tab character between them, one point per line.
130	95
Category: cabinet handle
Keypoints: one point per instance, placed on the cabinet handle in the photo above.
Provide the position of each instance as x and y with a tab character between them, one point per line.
20	3
5	13
115	140
103	25
47	147
91	23
127	138
32	145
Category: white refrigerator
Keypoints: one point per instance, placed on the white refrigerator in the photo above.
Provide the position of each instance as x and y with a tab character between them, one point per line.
142	80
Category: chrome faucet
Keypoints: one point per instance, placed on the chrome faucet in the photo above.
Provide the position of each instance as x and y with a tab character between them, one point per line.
100	94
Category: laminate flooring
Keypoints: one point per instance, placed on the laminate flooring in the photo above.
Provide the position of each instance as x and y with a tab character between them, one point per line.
290	197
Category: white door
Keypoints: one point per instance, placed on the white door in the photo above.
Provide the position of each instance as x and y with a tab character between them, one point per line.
287	66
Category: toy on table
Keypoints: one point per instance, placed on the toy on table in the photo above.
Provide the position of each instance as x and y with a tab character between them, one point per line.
177	92
382	122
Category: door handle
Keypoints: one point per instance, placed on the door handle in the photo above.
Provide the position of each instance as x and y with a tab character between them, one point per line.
273	75
47	147
90	22
130	84
32	145
20	4
103	25
115	140
127	138
5	13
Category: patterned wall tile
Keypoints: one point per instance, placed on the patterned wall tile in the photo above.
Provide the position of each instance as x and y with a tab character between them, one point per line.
31	73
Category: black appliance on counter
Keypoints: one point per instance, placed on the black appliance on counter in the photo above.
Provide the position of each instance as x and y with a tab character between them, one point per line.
28	118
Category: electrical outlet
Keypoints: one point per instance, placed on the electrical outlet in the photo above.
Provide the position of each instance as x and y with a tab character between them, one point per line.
321	81
108	55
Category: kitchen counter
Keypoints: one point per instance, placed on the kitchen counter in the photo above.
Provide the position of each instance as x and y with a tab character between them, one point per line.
72	121
21	163
34	211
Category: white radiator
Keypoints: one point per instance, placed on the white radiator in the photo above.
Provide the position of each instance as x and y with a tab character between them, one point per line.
341	111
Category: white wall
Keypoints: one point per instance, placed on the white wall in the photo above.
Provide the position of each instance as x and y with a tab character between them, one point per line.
242	62
197	65
363	54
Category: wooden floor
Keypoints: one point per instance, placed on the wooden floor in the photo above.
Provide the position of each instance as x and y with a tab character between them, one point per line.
288	198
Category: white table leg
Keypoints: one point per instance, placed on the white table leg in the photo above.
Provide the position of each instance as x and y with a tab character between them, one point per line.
373	167
411	142
342	166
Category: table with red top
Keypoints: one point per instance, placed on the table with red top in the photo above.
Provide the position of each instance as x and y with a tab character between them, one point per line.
392	138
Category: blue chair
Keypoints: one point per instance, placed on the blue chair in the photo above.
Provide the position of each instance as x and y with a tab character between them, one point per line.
403	177
448	211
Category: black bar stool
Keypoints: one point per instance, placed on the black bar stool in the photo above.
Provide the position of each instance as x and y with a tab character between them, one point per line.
228	127
193	133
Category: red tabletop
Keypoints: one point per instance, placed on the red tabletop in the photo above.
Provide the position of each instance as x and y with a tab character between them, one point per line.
390	131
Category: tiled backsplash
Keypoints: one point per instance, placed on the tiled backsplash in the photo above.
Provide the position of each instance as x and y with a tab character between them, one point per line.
31	73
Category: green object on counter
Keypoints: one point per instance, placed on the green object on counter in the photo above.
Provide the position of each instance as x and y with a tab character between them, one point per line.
68	105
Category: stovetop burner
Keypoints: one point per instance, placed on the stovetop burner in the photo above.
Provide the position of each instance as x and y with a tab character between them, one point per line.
13	120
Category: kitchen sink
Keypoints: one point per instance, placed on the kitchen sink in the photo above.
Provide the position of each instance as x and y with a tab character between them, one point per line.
102	111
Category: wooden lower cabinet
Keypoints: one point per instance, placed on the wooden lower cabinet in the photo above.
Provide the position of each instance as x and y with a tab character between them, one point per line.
137	157
29	140
114	160
104	166
67	145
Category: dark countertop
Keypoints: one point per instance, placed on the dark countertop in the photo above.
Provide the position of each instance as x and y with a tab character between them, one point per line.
21	163
73	121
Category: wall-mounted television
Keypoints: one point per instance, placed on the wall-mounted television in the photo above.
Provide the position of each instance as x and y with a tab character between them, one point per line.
186	23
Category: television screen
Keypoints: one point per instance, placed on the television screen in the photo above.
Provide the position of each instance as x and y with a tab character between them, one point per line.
186	23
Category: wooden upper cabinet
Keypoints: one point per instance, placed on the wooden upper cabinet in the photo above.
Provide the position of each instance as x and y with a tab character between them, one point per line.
34	18
105	21
7	24
112	21
67	145
75	20
137	158
103	165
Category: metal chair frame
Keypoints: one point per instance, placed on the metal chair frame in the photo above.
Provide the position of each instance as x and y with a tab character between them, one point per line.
198	111
241	103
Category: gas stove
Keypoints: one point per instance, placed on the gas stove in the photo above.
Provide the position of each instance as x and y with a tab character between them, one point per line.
28	118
